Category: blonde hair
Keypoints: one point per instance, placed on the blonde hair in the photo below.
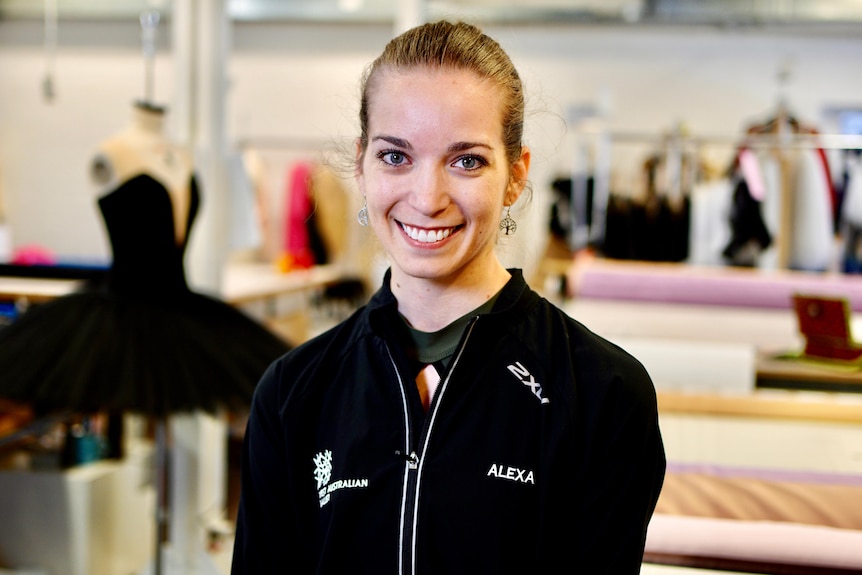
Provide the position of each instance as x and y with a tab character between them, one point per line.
453	45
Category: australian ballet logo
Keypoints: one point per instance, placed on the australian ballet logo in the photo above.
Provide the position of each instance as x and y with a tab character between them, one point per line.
323	476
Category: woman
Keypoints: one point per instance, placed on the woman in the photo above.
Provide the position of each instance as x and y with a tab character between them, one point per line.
539	450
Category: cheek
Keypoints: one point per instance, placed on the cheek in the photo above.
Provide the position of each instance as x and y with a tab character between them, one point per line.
378	194
491	207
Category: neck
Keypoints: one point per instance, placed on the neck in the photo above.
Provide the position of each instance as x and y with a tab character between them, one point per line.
431	305
148	119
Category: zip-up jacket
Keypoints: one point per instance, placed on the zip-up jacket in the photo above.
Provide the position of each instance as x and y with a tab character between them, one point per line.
540	452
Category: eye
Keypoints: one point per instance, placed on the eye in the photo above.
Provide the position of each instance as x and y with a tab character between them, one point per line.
391	157
470	162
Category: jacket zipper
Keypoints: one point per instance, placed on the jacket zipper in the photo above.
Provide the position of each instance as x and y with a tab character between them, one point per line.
414	461
411	462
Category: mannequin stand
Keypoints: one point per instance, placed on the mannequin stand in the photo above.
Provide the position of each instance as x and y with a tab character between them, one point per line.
177	550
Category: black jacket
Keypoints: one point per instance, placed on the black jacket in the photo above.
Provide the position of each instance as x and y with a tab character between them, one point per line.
541	452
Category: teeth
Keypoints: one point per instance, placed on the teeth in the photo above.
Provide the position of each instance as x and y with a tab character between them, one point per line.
426	236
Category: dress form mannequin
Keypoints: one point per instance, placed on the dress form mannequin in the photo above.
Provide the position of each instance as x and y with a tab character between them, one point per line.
140	340
143	148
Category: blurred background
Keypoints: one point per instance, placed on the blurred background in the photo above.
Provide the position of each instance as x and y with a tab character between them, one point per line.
610	85
695	165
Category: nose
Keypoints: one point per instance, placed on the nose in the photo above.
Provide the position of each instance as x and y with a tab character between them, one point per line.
429	193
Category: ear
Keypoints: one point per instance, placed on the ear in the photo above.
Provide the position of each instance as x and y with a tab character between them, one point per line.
520	172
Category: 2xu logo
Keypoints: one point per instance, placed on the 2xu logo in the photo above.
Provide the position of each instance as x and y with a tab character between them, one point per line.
527	379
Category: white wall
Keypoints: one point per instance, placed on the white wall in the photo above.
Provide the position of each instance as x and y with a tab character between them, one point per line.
299	82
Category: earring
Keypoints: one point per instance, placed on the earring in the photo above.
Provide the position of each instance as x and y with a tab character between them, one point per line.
362	216
507	225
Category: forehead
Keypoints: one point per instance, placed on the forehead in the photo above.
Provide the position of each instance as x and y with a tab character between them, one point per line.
442	72
452	95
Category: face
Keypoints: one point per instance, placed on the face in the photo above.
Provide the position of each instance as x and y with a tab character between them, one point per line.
435	175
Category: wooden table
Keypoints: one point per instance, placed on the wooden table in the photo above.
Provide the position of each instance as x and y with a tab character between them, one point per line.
35	290
765	404
245	282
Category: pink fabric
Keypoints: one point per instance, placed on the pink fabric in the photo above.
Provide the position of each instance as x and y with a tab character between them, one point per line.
427	381
765	541
33	255
751	172
686	284
758	497
297	248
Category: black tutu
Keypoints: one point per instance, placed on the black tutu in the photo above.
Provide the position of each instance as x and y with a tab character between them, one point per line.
139	340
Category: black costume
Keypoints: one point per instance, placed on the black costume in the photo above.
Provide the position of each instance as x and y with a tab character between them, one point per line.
140	340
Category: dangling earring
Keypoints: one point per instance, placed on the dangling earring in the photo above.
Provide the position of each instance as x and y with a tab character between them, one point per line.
362	216
507	225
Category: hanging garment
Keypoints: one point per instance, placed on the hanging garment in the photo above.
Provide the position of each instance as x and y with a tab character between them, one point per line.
749	236
139	340
245	225
303	245
802	178
851	218
709	231
812	244
571	217
656	230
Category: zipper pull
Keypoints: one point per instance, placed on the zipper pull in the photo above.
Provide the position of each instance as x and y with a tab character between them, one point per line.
412	459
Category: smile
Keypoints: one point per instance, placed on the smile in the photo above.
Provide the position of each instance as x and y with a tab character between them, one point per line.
427	236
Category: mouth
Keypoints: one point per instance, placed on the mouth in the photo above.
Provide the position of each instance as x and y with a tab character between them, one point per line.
427	236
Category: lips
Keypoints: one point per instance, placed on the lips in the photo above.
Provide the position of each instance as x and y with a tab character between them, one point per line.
427	236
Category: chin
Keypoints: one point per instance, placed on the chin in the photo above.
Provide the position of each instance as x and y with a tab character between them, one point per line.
425	271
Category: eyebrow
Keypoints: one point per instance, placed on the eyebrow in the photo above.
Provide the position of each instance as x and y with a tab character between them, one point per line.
459	146
456	147
399	142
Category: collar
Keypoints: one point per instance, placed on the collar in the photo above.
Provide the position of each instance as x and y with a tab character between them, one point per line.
515	296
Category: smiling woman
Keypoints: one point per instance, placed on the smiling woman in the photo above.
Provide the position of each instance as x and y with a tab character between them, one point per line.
480	428
436	177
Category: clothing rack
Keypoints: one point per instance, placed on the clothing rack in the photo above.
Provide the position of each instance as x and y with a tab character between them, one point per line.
675	144
789	141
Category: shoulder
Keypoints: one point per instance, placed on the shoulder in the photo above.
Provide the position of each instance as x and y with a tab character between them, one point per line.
564	345
124	156
589	365
109	162
597	350
294	376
